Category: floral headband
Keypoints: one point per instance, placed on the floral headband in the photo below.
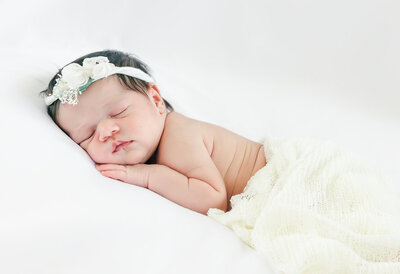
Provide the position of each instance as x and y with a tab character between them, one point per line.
75	78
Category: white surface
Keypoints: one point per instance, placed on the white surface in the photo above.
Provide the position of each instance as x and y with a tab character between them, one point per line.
311	68
59	215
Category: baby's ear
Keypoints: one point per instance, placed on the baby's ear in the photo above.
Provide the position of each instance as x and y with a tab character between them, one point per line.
155	97
155	88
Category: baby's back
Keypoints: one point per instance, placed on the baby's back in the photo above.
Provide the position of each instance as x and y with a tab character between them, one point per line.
236	157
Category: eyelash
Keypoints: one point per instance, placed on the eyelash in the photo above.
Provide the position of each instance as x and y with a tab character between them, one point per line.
118	113
93	131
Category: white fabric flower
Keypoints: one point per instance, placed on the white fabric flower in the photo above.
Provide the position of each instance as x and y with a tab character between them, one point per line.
75	75
60	87
64	93
89	63
75	78
102	70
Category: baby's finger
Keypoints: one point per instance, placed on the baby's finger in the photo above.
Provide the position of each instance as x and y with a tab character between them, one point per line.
110	167
115	174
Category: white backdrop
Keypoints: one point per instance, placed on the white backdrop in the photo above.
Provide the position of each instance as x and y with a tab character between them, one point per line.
346	51
322	69
344	54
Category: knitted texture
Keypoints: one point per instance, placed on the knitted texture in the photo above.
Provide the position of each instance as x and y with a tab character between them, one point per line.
316	208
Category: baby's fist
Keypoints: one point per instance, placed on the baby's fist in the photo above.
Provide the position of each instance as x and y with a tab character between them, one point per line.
132	174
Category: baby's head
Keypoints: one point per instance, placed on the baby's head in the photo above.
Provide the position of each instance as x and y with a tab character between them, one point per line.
108	103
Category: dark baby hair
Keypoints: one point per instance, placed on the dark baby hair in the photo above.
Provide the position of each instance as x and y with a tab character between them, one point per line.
119	59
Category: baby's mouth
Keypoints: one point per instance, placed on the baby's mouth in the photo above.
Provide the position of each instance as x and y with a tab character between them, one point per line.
120	145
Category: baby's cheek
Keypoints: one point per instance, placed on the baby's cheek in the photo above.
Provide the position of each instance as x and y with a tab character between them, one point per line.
93	153
98	156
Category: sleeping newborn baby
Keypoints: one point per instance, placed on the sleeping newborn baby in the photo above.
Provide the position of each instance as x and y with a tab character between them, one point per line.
109	105
309	207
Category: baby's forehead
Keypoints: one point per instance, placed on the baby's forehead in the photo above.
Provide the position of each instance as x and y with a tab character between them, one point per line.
106	89
93	100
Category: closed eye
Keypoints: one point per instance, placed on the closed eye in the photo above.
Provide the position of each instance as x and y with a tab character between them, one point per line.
118	113
91	134
87	138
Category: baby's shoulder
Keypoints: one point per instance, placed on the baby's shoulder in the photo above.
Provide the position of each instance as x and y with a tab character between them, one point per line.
180	134
180	127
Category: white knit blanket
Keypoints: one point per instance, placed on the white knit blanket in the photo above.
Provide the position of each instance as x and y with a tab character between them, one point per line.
316	208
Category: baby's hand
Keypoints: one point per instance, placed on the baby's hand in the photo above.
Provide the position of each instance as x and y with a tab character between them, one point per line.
132	174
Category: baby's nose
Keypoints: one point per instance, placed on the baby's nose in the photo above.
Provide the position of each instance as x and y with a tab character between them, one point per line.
107	130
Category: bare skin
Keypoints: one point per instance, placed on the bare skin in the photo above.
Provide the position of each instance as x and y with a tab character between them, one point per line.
133	138
236	158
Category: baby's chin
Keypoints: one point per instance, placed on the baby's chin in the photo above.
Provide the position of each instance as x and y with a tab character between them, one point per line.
103	162
115	161
122	159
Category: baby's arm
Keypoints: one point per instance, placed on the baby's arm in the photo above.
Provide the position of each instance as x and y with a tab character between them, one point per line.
187	175
189	192
189	179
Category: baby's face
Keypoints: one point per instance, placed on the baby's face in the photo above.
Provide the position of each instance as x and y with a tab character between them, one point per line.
114	124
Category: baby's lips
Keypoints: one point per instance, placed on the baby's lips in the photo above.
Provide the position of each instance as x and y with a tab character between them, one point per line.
122	144
115	144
